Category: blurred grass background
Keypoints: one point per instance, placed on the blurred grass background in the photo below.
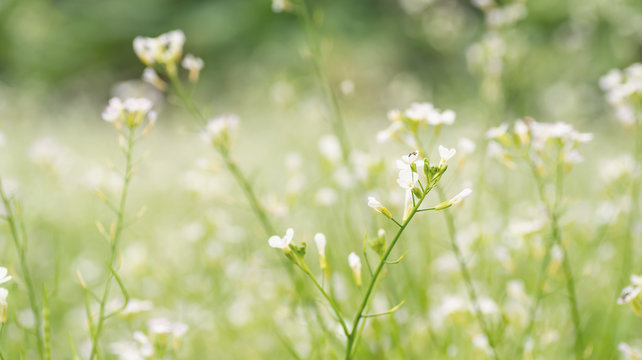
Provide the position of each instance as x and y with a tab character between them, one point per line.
199	253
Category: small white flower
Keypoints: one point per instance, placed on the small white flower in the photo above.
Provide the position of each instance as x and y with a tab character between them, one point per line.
628	294
4	275
355	264
446	154
375	204
221	130
466	145
407	179
151	77
455	200
194	65
282	243
497	132
330	148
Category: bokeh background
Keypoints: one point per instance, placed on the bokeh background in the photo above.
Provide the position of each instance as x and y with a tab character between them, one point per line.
199	254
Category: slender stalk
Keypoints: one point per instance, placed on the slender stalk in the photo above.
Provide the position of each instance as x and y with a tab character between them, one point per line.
120	221
19	236
338	122
231	165
470	287
335	307
353	335
553	212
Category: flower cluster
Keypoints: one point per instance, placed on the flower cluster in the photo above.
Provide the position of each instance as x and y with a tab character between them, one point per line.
624	91
4	293
538	141
501	16
404	125
221	131
162	54
131	113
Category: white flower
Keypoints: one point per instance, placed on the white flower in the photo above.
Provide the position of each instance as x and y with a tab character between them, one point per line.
194	65
135	306
165	49
131	112
221	130
280	5
151	77
355	264
320	240
375	204
611	79
390	131
497	132
282	243
455	200
628	294
4	275
629	352
446	154
426	113
407	179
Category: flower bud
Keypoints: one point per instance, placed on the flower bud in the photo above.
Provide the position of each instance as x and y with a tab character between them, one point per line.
355	264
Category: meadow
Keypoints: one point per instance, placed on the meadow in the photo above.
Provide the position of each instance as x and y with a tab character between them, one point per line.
316	179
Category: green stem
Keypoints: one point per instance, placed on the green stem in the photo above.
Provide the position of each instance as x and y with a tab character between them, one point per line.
553	212
338	122
472	293
352	337
120	219
335	307
21	248
236	172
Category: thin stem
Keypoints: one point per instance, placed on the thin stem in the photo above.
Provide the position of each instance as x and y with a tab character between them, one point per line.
21	248
120	219
302	265
338	122
553	212
470	287
352	337
236	172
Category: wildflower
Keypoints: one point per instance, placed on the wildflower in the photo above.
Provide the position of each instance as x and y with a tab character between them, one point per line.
355	264
320	240
4	277
151	77
390	131
164	50
455	200
375	204
221	130
446	154
282	243
426	113
130	112
628	294
135	306
194	65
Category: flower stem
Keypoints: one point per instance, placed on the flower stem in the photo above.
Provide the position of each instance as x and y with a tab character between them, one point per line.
472	293
120	220
338	122
353	334
19	236
553	212
236	172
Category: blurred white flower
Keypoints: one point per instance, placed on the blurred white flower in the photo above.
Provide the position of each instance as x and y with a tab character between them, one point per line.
3	304
151	77
193	65
222	130
165	49
375	204
330	148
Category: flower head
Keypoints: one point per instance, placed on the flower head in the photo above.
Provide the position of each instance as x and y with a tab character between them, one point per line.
445	154
282	242
4	275
166	49
221	130
455	200
131	112
375	204
194	65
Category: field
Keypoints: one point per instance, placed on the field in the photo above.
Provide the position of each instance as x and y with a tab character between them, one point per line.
316	179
